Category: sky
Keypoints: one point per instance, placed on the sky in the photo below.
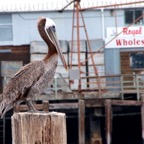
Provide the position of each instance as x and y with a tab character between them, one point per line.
8	5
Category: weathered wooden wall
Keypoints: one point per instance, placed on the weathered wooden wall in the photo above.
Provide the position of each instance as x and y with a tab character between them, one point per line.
12	58
125	63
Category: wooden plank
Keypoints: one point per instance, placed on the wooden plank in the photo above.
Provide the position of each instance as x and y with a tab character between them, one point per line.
39	128
51	106
75	49
74	57
24	107
63	106
94	103
81	121
15	57
24	49
98	59
100	103
126	102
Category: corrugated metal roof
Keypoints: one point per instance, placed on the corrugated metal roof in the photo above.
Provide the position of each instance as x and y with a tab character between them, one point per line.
48	5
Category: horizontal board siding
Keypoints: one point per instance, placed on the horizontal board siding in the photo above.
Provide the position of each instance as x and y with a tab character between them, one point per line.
9	68
37	47
97	57
75	47
17	49
15	53
125	63
95	45
12	58
125	67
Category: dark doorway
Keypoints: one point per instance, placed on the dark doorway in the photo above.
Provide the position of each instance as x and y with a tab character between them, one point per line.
127	128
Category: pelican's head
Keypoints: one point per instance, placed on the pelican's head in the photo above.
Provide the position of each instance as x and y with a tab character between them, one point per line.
50	30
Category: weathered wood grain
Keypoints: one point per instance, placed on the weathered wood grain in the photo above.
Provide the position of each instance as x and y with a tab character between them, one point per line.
39	128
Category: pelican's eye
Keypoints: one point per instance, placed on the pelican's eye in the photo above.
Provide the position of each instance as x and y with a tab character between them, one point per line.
53	28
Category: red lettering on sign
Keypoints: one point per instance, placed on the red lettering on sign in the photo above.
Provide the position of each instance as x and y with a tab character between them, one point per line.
137	31
124	42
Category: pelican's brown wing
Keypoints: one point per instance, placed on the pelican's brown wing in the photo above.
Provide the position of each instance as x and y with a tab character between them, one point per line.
22	81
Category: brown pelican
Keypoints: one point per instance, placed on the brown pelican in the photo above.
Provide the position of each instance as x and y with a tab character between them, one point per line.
32	78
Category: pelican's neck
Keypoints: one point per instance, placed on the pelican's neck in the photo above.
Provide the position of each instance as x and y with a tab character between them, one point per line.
49	55
51	48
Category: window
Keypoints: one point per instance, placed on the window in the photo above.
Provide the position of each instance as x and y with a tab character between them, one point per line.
132	15
6	27
137	60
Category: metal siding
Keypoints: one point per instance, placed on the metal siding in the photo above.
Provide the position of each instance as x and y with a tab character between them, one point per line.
95	44
112	61
110	20
112	65
21	30
25	26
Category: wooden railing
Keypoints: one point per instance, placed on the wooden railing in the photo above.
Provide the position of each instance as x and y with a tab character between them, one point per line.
122	84
109	84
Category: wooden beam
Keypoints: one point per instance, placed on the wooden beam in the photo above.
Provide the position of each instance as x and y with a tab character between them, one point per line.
126	102
94	103
142	118
46	106
108	122
67	105
74	105
24	107
81	121
100	102
95	127
51	106
39	128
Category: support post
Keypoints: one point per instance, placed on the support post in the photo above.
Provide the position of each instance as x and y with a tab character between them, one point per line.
39	128
142	117
108	121
81	122
46	106
95	127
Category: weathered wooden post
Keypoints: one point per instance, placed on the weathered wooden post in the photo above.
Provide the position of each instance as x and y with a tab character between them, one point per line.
142	117
108	120
81	119
39	128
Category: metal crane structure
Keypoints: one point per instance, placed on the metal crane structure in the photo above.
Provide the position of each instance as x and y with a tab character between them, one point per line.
77	14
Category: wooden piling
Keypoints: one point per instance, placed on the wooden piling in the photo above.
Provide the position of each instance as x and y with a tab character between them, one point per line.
46	106
142	118
81	122
39	128
95	127
108	120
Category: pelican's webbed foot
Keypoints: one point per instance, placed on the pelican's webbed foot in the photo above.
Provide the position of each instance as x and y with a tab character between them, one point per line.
31	107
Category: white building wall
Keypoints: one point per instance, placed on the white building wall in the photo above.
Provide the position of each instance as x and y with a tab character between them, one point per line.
25	26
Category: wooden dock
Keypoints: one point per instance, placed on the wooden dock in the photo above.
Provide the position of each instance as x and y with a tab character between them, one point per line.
93	102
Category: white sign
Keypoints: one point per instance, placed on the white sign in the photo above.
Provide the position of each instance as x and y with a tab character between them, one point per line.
127	37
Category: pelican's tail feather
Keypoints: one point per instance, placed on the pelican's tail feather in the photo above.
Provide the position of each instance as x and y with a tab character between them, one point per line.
4	107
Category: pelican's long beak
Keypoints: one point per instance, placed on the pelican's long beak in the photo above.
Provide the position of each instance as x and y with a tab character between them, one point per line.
53	37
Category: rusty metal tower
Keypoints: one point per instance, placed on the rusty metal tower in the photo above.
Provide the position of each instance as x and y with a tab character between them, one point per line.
77	12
